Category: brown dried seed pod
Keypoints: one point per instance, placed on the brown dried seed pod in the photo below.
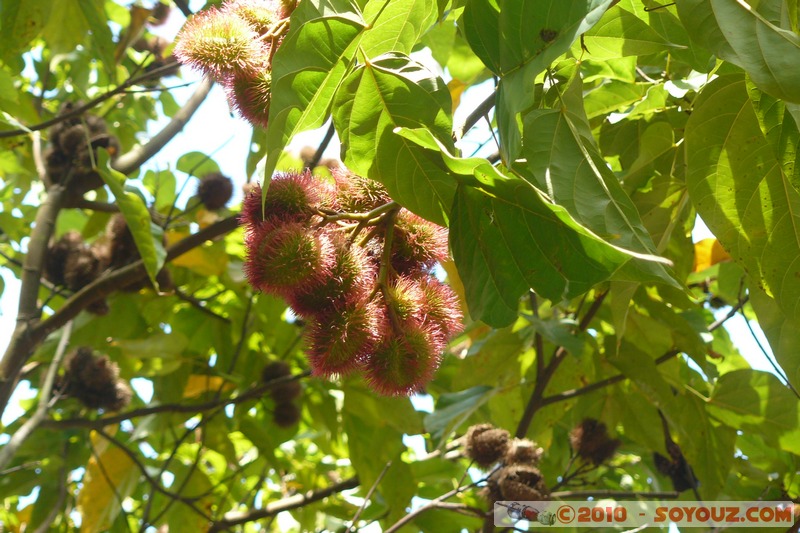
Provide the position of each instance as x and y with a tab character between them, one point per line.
285	392
275	370
95	382
215	190
486	444
591	441
286	414
522	483
523	451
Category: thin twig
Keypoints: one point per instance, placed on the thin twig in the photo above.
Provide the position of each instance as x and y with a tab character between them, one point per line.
322	146
367	498
286	504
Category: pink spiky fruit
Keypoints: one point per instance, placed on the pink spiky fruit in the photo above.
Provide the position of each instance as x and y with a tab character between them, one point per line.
441	306
292	197
287	257
405	360
251	95
417	244
220	44
351	278
340	340
261	15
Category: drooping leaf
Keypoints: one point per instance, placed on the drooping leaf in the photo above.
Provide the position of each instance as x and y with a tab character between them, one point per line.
146	234
308	67
507	237
391	91
453	409
736	31
109	478
740	189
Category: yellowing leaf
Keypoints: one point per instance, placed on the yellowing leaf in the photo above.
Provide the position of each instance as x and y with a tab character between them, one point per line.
204	260
199	383
110	477
456	88
708	253
24	518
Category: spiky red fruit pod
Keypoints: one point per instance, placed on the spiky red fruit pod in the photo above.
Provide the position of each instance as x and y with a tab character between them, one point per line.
417	244
220	44
251	95
351	278
286	258
404	360
261	15
215	190
292	197
441	306
359	194
341	339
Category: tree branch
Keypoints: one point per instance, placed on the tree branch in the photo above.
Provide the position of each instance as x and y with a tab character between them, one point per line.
193	408
22	434
165	70
292	502
129	162
617	494
28	335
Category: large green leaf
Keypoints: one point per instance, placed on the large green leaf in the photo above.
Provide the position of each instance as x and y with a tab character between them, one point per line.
756	401
620	33
307	68
395	25
20	22
738	32
565	163
783	334
507	237
740	189
390	91
146	234
517	39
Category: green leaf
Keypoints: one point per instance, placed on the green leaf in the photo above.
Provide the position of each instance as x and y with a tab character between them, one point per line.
102	40
307	69
736	32
20	22
739	188
780	129
507	238
391	91
453	409
196	164
566	164
517	39
782	333
146	234
396	25
620	33
755	401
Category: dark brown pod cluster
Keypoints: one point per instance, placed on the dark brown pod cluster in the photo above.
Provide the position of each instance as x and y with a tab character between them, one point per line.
73	149
215	190
517	478
308	245
676	468
286	412
486	444
591	442
94	381
71	263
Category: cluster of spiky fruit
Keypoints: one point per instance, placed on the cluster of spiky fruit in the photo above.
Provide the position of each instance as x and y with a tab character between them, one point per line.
234	44
518	477
357	269
284	393
94	380
73	150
